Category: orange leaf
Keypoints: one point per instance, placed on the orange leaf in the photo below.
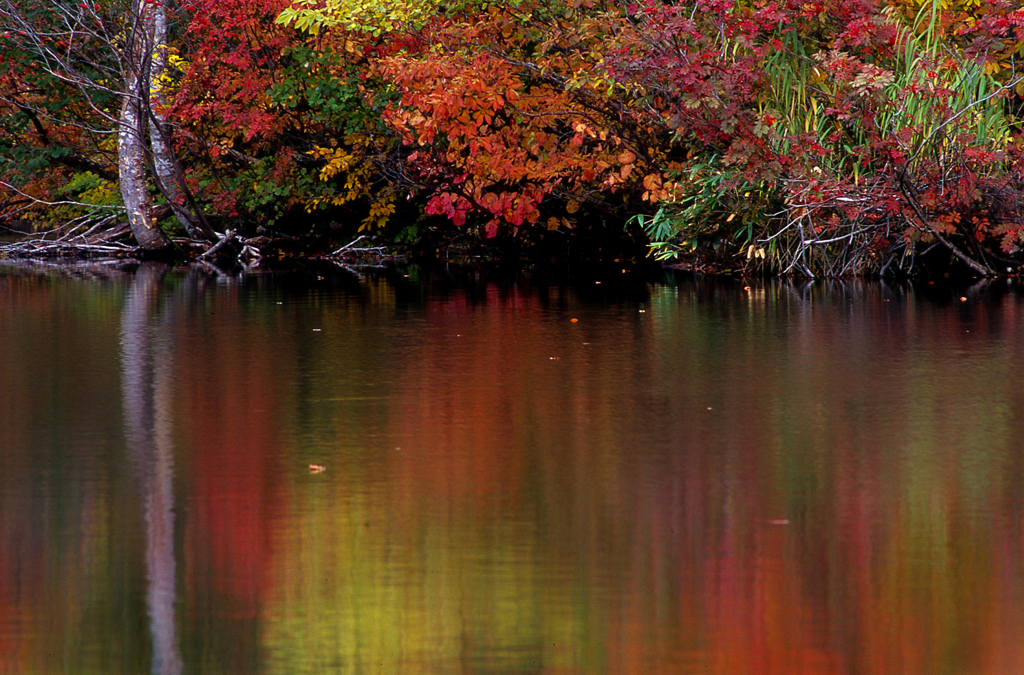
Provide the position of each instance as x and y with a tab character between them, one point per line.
652	181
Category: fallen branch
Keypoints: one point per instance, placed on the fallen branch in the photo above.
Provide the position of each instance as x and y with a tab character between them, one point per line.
224	239
348	246
250	255
58	248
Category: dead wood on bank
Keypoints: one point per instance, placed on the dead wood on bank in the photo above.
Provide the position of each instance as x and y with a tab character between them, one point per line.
111	237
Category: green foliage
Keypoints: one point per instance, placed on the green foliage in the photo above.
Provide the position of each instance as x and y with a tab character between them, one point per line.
91	190
326	89
663	230
709	210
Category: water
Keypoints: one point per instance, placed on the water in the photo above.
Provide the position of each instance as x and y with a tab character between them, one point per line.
322	473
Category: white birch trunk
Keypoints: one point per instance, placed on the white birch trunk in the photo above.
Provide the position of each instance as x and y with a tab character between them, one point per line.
165	164
163	160
131	140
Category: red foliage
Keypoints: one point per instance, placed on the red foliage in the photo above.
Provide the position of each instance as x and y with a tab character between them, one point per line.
494	133
231	65
893	163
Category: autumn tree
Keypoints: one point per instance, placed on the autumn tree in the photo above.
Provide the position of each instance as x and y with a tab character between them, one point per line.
825	138
870	138
506	112
142	117
278	125
819	138
47	129
95	71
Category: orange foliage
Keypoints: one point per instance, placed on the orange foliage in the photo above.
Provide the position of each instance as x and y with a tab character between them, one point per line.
495	134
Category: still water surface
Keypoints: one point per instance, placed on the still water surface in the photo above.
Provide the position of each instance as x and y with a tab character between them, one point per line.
682	477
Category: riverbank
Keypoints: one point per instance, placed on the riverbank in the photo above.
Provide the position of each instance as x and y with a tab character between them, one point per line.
595	249
592	253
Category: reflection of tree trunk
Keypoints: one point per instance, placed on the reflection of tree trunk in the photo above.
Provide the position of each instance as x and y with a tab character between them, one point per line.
147	386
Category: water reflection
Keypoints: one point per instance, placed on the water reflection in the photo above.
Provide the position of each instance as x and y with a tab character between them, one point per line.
695	478
147	348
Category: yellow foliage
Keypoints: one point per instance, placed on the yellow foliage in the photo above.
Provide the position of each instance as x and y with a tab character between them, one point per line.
361	16
166	80
380	212
355	175
338	161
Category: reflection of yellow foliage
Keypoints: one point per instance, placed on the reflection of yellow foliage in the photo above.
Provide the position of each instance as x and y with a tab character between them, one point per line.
381	592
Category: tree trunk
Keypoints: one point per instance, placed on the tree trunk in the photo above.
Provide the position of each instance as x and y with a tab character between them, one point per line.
163	160
131	163
166	168
131	148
